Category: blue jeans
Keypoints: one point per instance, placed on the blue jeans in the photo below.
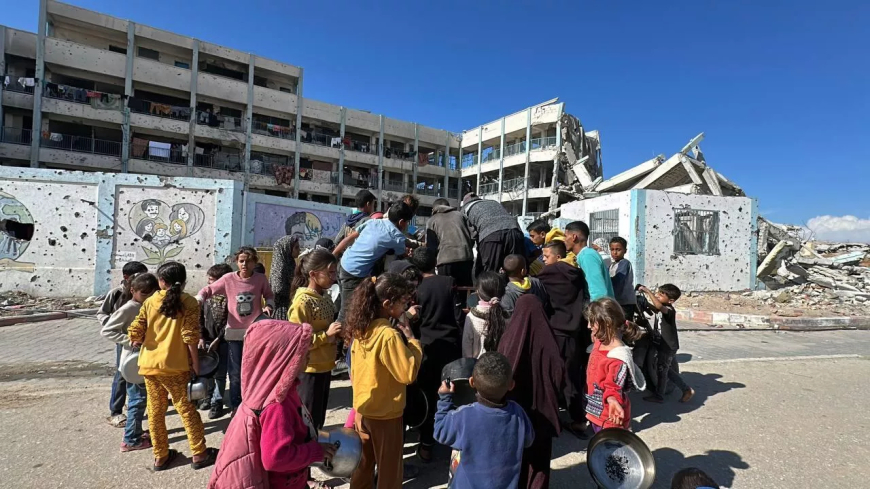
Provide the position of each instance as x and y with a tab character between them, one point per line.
234	370
136	404
119	387
220	376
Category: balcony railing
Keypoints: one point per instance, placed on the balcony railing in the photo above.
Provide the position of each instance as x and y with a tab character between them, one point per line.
515	149
431	189
493	155
395	185
273	130
512	185
220	161
469	160
15	135
174	156
544	143
488	188
361	147
69	93
220	121
82	144
453	193
179	113
319	176
398	154
319	139
14	85
263	164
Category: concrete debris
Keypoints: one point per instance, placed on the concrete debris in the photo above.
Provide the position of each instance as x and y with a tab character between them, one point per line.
16	303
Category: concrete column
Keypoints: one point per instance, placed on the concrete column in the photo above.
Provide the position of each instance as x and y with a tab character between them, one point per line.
479	156
39	85
416	157
191	137
447	167
128	92
380	161
249	117
528	158
2	70
554	184
501	162
298	136
459	164
341	155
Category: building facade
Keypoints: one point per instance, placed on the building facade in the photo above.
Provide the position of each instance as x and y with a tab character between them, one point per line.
96	93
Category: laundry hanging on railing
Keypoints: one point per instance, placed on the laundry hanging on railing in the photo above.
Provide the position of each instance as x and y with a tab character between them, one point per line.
180	112
22	81
160	109
159	150
139	147
284	175
55	137
423	159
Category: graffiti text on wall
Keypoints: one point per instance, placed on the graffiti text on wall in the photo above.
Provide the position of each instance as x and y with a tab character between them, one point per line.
16	231
163	228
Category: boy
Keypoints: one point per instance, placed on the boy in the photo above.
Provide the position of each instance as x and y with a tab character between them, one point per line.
662	304
554	252
365	204
116	298
520	283
622	277
488	436
538	231
597	275
212	324
439	334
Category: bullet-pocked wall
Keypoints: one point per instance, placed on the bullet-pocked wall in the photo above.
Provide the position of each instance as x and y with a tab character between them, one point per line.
65	233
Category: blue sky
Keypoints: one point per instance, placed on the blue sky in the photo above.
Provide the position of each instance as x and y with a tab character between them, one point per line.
781	88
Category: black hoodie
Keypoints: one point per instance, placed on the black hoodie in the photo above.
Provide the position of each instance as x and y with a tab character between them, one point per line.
566	286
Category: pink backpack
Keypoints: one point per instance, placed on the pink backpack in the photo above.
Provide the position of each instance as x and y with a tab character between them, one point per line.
239	464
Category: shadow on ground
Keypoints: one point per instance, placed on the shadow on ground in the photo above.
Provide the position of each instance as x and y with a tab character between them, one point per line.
705	385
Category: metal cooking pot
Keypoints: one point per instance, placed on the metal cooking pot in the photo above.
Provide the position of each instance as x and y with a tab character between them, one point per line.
416	407
457	373
199	388
129	368
618	458
347	455
208	363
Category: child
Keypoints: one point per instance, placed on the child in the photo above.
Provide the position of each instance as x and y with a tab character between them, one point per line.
486	322
488	436
116	298
662	304
553	252
167	330
315	274
213	323
142	286
537	230
622	277
272	440
520	283
439	335
611	372
382	365
245	291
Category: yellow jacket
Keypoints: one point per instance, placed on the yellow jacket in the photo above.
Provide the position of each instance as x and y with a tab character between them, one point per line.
310	307
381	366
164	340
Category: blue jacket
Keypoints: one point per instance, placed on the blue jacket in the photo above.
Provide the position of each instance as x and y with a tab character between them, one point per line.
491	441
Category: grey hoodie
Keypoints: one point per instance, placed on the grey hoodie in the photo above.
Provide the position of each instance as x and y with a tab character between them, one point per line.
447	232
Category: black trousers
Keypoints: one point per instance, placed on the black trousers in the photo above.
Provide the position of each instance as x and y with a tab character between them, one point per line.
313	390
535	470
492	250
435	357
574	354
348	284
461	272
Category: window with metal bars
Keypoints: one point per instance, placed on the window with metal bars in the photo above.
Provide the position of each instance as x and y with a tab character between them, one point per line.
603	224
696	232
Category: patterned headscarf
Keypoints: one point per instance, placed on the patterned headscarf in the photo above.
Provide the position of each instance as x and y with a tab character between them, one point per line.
283	266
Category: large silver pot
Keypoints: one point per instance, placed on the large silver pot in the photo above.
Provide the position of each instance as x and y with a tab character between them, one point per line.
199	388
129	368
347	455
618	458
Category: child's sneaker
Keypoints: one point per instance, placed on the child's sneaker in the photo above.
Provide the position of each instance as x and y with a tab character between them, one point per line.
216	412
143	444
118	420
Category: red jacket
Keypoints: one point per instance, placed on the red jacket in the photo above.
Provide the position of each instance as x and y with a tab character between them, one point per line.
606	377
286	444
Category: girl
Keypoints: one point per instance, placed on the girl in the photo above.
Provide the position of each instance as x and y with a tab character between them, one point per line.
167	330
485	323
142	286
611	372
245	291
381	367
314	274
540	377
272	441
284	255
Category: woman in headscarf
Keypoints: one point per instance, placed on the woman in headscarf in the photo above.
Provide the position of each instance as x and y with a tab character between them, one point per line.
539	373
271	440
284	254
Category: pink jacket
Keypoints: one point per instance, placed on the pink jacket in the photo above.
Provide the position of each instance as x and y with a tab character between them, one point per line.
268	443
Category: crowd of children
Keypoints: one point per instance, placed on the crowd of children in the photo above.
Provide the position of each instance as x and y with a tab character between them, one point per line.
551	327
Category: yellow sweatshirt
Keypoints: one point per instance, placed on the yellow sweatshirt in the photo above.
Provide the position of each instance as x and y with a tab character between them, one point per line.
164	340
557	234
381	366
310	307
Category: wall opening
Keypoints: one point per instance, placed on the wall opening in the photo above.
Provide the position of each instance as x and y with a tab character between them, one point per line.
603	224
17	230
696	232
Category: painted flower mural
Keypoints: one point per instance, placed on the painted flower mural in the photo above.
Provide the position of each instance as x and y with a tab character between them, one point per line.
163	227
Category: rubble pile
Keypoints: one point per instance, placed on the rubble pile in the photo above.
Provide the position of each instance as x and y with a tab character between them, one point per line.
14	303
803	273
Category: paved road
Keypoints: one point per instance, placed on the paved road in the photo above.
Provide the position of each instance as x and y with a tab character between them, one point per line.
754	423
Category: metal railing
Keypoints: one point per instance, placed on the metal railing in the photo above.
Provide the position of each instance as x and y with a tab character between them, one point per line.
225	122
319	139
161	155
319	176
14	86
398	154
221	161
263	164
425	190
273	130
82	144
492	155
514	184
166	111
488	188
453	193
394	185
361	147
469	160
544	143
15	135
515	149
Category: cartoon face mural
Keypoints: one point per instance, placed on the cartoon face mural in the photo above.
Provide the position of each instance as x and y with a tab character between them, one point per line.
306	226
272	222
163	228
16	231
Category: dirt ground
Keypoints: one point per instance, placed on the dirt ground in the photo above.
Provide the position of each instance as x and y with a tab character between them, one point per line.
737	303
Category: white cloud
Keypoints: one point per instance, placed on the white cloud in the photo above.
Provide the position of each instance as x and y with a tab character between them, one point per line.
840	228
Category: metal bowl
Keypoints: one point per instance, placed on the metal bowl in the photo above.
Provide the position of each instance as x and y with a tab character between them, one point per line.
457	373
208	363
199	388
129	368
619	459
347	455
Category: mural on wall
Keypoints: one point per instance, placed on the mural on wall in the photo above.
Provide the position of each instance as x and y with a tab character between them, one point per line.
275	221
16	231
163	227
